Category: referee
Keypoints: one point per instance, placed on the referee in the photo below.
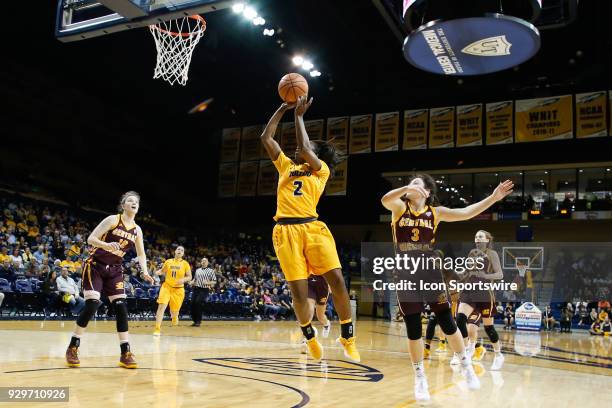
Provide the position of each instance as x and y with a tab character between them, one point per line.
203	279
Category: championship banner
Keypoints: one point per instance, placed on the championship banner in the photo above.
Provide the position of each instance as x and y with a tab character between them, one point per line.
336	185
268	178
277	136
338	130
314	128
228	173
387	132
469	125
361	134
500	123
416	123
251	145
288	139
544	119
528	317
230	145
442	127
591	114
247	179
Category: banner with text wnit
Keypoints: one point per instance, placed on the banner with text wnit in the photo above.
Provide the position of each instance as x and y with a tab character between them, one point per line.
416	123
247	178
251	145
288	140
387	132
360	140
230	145
336	185
591	114
442	127
500	123
228	173
268	178
314	128
338	131
544	119
469	125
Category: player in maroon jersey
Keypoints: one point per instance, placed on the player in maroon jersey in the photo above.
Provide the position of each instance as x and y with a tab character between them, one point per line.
415	219
103	274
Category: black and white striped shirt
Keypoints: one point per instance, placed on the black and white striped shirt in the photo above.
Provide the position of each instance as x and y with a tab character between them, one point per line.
204	276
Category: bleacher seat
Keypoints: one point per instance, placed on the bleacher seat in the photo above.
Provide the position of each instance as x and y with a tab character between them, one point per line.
23	286
139	293
5	286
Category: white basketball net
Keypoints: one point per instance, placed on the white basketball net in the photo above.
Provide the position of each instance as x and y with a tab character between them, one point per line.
175	41
522	269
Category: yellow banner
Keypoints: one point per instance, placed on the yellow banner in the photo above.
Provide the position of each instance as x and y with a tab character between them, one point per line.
361	134
387	132
338	130
251	145
469	125
268	178
500	122
230	145
591	114
415	129
544	119
314	128
288	141
227	179
247	178
442	127
336	185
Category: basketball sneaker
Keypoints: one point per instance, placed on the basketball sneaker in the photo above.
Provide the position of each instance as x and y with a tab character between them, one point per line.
470	376
350	348
455	360
479	353
127	360
498	362
157	332
315	349
427	353
421	389
326	330
72	357
175	322
441	347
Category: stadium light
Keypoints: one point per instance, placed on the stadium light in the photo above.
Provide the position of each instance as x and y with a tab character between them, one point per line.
238	8
307	65
258	21
268	33
249	12
298	60
315	73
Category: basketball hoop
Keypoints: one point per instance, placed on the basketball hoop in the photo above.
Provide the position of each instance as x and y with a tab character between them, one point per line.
175	41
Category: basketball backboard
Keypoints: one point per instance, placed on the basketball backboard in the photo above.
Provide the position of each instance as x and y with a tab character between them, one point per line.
82	19
516	257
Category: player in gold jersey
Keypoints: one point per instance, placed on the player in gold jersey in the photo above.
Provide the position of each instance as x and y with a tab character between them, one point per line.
172	292
303	244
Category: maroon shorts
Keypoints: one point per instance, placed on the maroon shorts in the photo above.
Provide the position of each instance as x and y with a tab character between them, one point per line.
318	289
104	279
482	302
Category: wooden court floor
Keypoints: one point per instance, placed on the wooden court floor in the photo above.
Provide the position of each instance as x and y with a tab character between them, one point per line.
259	364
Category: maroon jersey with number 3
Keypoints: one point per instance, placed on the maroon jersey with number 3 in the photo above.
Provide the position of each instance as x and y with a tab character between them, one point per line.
126	237
415	230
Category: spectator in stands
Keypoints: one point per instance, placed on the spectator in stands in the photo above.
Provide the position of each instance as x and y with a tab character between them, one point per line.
7	271
129	288
508	317
286	301
39	253
4	255
548	320
70	291
28	256
282	311
16	259
270	309
566	320
50	291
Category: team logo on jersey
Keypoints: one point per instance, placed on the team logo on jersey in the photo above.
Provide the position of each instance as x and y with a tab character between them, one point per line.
489	47
334	369
119	285
428	213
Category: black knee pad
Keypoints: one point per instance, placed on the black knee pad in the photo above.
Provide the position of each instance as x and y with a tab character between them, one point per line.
413	326
447	323
462	324
492	333
89	311
121	314
431	328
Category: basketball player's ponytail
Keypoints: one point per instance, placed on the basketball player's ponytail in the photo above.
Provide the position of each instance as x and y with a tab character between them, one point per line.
327	151
430	184
124	197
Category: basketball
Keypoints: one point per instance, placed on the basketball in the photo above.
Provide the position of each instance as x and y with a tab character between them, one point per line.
291	86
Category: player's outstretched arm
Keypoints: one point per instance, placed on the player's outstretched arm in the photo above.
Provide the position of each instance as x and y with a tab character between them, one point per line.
142	256
95	238
461	214
267	137
303	141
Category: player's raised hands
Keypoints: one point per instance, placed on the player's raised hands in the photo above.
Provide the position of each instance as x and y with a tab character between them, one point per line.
286	106
302	105
503	189
414	191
